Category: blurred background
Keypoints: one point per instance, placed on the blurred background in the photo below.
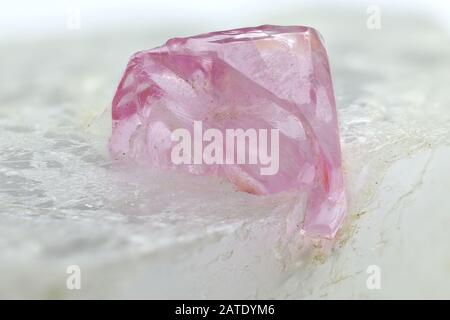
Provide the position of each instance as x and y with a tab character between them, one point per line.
26	19
62	202
53	41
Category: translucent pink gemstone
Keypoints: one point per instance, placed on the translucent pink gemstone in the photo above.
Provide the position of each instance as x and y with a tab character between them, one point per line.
263	77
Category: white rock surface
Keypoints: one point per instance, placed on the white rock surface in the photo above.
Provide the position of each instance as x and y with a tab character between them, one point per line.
140	234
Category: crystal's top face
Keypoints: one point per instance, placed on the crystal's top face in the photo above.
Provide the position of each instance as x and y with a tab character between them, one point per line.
267	77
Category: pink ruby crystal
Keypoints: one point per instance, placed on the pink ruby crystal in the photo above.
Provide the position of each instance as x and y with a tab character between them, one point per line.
263	77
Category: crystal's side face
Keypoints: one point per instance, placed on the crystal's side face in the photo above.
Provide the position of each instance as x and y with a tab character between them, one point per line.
267	77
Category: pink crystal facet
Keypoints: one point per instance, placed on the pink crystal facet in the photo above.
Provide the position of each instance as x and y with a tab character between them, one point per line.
262	77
